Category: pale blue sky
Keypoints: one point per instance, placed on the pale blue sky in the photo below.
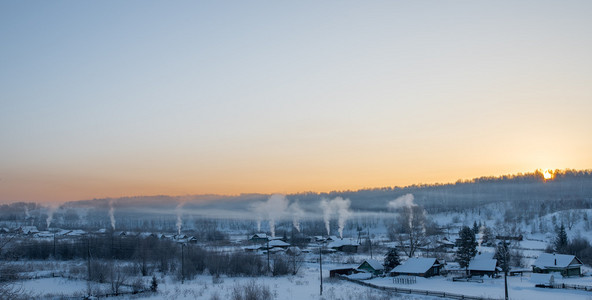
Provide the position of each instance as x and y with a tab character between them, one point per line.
117	98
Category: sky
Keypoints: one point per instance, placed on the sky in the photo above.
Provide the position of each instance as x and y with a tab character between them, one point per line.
121	98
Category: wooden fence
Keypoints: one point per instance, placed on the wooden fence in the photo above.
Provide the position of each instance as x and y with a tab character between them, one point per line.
565	286
417	292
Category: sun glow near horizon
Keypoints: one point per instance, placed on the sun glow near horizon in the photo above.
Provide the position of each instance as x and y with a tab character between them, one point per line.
199	98
548	174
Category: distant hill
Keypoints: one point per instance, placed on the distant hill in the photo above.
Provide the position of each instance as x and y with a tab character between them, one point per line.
568	189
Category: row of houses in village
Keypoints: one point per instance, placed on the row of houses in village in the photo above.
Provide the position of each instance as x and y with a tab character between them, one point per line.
33	232
328	244
482	265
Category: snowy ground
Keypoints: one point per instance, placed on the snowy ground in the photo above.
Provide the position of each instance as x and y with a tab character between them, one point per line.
302	286
306	286
518	287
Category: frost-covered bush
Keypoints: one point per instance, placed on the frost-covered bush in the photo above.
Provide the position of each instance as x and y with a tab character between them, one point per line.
281	265
251	291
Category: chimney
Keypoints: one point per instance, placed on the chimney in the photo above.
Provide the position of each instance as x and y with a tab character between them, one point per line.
556	261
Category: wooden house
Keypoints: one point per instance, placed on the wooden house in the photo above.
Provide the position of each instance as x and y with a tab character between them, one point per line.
567	265
371	266
418	266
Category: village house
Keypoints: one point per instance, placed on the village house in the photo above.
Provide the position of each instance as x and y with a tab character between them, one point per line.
28	230
344	245
483	264
259	238
275	244
444	244
418	266
371	266
567	265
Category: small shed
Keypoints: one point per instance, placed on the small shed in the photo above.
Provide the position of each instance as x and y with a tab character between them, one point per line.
371	266
444	243
27	230
566	265
338	272
259	238
320	239
344	245
278	244
418	266
483	266
294	251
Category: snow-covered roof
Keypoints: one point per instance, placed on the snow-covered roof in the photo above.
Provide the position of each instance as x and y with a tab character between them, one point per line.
29	229
333	238
43	234
294	250
343	242
259	235
376	265
278	243
445	241
417	265
547	260
76	232
482	264
484	255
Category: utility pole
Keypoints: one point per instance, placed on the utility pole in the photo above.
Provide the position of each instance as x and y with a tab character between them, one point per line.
321	267
506	267
54	246
268	264
506	284
182	264
370	241
88	256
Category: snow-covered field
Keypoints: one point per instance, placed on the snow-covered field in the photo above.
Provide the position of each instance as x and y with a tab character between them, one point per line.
305	285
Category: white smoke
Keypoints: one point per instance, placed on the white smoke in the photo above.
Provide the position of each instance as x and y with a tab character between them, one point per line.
179	212
259	209
50	211
481	230
273	210
339	206
112	213
343	212
275	206
297	214
259	223
326	207
405	201
27	215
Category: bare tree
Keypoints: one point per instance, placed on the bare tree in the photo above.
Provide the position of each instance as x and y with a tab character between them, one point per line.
410	229
117	279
